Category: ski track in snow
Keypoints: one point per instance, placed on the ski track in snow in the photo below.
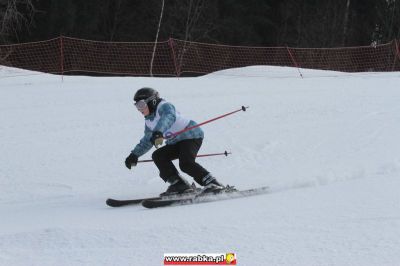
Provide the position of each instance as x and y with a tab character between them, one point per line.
326	145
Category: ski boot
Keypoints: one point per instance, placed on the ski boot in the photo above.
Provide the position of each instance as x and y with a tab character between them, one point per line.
178	186
211	185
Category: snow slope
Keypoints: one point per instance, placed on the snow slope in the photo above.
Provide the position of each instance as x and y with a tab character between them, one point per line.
326	144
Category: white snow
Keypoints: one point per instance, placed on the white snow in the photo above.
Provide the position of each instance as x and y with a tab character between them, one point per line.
326	144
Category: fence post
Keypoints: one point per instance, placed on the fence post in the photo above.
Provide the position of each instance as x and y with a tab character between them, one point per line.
171	45
294	61
62	57
397	54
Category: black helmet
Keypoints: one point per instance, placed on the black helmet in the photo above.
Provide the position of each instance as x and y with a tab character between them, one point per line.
145	93
151	96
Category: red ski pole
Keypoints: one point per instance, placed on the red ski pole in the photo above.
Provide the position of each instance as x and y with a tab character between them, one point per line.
201	155
172	135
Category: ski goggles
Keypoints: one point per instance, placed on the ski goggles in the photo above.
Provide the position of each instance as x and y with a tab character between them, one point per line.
142	104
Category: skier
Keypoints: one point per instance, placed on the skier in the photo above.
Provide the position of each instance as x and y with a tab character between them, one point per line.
162	120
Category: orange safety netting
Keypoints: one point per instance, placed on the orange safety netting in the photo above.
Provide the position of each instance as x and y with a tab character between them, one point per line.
174	57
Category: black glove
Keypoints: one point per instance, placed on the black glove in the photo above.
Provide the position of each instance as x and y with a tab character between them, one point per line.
131	160
157	139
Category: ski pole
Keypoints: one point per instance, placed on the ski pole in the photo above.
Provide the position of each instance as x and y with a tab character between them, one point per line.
172	135
201	155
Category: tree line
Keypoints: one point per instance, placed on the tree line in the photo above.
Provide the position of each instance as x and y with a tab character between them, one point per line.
294	23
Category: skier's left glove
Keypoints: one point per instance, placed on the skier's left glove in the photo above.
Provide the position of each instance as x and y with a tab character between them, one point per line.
157	139
131	160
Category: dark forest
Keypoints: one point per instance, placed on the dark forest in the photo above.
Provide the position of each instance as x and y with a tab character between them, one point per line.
294	23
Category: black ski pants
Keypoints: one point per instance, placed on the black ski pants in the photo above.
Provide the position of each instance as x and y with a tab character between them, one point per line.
186	151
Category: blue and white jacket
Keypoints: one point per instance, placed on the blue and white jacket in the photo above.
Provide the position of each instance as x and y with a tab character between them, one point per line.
167	120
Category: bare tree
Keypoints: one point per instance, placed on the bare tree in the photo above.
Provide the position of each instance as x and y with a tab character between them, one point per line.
156	40
14	16
194	12
345	22
111	18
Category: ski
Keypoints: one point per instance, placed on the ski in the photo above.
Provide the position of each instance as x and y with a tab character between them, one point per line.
121	203
228	193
